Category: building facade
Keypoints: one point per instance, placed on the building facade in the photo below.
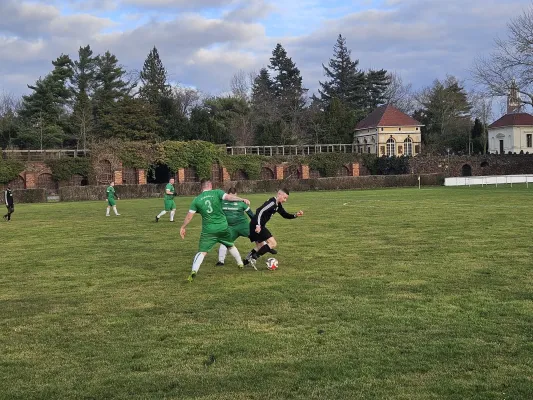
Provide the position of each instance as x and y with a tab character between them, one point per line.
512	133
387	131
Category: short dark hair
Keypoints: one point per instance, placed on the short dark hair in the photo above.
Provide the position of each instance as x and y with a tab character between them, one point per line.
285	190
204	182
232	190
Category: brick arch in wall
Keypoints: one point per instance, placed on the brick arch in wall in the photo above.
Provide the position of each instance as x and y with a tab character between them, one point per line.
344	171
239	175
17	183
104	172
129	176
292	172
466	170
215	173
314	173
191	175
267	174
78	180
46	181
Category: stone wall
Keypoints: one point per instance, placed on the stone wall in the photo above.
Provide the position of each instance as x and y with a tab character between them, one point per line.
267	186
479	165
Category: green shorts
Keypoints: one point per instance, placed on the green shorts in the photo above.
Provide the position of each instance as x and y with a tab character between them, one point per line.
111	202
242	230
170	205
209	240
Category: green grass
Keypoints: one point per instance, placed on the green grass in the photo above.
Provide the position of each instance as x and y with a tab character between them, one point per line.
385	294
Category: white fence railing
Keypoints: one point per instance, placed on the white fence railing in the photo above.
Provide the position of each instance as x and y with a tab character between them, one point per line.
289	150
41	155
488	180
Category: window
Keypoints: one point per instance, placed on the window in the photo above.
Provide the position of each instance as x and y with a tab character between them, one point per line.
391	148
529	139
408	146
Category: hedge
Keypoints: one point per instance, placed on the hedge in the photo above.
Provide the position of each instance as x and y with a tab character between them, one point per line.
97	193
29	196
80	193
84	193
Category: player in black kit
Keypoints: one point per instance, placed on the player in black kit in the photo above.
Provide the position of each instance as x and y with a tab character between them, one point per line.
8	197
264	241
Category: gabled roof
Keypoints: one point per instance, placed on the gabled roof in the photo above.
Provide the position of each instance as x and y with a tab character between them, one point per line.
387	115
514	119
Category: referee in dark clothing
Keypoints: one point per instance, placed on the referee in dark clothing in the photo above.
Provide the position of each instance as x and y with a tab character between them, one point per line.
8	197
264	241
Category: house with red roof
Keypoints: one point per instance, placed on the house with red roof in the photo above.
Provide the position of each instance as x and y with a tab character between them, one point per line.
387	131
511	133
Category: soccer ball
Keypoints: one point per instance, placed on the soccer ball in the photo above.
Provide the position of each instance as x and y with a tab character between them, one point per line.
272	264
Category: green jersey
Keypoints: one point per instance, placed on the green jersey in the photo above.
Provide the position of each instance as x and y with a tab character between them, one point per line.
169	187
234	211
110	193
209	205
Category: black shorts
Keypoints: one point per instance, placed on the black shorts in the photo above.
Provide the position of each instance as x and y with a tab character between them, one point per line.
262	236
10	209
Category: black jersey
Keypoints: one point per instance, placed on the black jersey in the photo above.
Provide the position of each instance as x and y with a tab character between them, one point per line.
8	197
267	210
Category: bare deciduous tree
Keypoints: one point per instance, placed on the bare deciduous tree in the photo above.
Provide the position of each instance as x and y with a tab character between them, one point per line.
482	108
186	98
241	84
399	95
511	60
9	108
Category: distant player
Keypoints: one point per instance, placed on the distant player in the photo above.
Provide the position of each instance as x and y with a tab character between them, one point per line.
10	205
214	224
264	241
238	224
111	199
170	204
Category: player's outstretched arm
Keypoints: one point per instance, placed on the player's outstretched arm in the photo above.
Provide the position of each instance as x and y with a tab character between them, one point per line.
232	197
186	221
287	215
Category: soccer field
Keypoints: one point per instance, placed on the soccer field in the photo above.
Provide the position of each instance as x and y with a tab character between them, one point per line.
380	294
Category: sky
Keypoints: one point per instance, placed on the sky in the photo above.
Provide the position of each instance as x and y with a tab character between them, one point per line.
203	43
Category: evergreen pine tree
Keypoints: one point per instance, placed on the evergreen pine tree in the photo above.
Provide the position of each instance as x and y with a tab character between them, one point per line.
262	90
345	82
43	111
287	81
154	80
446	112
111	87
376	84
82	86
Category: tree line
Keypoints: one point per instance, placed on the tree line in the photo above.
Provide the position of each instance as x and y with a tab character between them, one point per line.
93	97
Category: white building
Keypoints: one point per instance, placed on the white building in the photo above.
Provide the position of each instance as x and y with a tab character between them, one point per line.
511	133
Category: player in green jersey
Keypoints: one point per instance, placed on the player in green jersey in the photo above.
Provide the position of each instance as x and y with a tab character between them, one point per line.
170	205
110	192
214	224
238	224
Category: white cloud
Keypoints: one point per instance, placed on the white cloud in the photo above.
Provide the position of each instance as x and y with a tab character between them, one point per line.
424	40
178	4
249	10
